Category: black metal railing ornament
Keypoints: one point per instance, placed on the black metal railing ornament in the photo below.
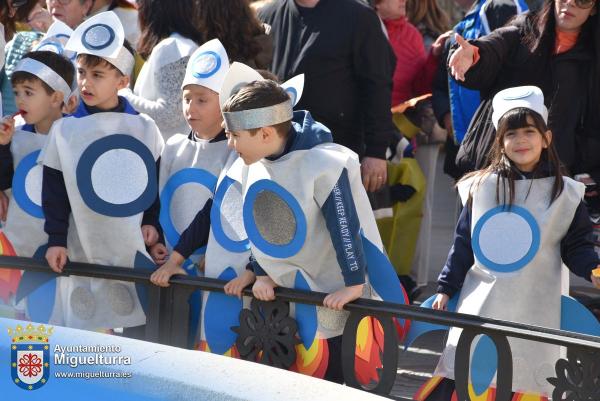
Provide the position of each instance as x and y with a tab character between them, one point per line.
578	376
267	333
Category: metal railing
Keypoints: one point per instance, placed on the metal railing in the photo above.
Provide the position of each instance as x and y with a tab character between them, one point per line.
168	323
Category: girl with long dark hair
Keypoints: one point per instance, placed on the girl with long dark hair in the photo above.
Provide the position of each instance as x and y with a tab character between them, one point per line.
522	219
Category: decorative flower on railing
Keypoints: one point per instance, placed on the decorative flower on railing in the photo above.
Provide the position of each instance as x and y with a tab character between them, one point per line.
267	334
30	365
577	377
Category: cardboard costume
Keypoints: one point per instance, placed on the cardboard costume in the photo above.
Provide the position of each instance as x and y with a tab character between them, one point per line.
288	233
108	163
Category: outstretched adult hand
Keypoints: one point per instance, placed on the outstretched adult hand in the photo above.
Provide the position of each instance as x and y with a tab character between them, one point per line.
462	59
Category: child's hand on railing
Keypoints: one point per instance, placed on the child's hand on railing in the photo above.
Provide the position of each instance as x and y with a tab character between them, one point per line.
338	299
441	301
237	285
264	288
171	267
57	258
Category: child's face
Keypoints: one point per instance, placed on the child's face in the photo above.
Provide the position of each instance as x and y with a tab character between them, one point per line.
34	102
202	111
99	85
251	148
523	146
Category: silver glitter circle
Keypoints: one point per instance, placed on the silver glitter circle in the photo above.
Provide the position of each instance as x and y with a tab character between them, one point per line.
274	218
98	36
83	303
205	63
121	301
331	319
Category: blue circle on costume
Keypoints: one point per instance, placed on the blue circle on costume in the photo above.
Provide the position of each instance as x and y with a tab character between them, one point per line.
182	177
215	65
217	225
276	251
100	45
84	176
293	94
533	248
18	186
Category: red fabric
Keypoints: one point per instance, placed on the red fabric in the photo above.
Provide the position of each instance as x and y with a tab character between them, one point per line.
415	69
565	41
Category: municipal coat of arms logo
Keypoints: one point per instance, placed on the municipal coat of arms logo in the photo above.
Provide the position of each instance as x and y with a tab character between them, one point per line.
30	356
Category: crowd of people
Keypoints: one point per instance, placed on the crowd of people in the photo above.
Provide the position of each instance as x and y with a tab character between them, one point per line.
293	143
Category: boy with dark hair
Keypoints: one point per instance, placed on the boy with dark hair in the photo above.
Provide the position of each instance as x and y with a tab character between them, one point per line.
306	212
101	165
41	82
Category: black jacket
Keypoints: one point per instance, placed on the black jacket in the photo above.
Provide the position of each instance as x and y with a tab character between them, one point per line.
566	80
348	64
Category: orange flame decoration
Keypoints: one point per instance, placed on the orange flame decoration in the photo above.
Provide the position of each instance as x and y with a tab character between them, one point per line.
489	395
313	361
9	278
231	352
369	349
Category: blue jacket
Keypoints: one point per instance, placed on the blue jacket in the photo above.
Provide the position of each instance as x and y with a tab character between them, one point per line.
484	17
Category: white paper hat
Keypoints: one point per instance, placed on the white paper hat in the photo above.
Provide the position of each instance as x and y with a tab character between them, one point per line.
103	35
529	97
207	66
56	39
294	87
240	75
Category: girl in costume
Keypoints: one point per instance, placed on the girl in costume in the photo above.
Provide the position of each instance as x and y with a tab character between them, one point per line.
522	219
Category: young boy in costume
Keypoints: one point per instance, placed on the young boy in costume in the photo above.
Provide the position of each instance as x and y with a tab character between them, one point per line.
306	212
191	170
42	83
101	165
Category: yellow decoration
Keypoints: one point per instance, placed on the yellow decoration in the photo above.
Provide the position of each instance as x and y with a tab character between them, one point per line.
399	233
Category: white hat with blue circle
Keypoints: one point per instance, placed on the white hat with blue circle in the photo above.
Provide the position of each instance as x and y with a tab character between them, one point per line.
55	38
207	66
529	97
103	35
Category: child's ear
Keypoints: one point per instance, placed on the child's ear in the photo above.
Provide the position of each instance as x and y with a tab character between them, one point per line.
268	133
56	99
548	137
123	82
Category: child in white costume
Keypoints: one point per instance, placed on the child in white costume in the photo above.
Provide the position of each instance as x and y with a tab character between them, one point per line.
191	169
306	211
41	81
522	218
101	164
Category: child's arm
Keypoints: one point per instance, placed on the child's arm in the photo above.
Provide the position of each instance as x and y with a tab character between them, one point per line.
57	208
577	248
460	258
343	225
173	266
264	288
196	235
150	225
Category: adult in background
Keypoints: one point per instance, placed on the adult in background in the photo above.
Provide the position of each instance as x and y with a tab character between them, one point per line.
246	41
429	19
169	36
453	104
348	64
127	13
556	50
